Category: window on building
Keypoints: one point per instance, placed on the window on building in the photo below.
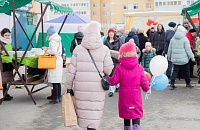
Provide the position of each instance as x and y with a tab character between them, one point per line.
105	5
84	4
160	3
94	13
179	2
164	3
94	5
87	4
188	2
76	4
172	2
175	3
135	6
125	6
148	5
156	4
106	13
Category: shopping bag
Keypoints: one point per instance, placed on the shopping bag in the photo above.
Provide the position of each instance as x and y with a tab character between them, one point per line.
68	110
47	62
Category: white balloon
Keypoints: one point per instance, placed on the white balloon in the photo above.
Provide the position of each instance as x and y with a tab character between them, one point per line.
158	65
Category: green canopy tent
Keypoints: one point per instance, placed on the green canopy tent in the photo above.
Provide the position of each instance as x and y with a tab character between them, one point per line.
193	9
8	6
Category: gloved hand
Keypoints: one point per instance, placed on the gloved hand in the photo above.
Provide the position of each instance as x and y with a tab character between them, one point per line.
147	94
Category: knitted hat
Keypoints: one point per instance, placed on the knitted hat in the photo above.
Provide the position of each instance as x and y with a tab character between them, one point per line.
185	22
127	50
148	44
111	30
172	24
133	29
192	30
121	30
51	30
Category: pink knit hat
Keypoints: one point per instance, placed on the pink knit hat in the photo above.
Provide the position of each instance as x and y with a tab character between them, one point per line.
128	50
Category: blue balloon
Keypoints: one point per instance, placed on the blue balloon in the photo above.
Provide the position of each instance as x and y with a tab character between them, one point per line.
159	82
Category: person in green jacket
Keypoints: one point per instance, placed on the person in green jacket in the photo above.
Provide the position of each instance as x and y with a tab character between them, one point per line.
148	54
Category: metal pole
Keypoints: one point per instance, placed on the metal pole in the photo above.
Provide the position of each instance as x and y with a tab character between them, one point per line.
42	26
15	34
63	23
24	30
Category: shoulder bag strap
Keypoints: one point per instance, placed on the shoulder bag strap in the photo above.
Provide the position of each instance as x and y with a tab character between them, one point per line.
94	63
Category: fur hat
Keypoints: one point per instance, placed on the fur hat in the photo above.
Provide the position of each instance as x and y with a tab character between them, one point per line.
127	50
111	30
51	30
148	44
140	31
172	24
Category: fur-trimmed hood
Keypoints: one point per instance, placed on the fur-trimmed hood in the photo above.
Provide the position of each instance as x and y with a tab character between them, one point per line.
152	50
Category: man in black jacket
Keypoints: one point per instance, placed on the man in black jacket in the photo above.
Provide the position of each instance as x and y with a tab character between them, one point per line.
76	41
143	39
168	36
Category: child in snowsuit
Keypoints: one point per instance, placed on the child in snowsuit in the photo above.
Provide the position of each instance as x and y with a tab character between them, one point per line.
148	54
130	75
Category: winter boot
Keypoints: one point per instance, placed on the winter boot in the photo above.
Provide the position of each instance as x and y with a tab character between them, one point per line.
54	100
127	127
52	94
172	87
136	127
189	86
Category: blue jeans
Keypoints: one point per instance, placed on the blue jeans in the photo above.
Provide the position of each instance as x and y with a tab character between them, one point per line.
113	88
169	69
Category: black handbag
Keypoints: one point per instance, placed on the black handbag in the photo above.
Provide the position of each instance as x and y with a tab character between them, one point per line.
104	79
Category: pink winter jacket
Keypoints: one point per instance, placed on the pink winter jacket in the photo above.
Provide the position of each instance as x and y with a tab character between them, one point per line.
130	75
88	92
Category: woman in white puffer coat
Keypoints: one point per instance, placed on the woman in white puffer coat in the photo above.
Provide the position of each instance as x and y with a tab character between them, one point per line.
88	92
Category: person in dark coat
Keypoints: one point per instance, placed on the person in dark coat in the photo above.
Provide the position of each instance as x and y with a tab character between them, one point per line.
143	39
132	35
158	41
113	43
150	33
76	41
168	36
6	68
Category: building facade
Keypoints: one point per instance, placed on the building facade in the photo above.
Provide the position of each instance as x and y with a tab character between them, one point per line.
81	7
110	13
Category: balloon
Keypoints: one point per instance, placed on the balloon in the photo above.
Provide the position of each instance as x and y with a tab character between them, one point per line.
148	24
148	76
155	22
150	20
158	65
159	82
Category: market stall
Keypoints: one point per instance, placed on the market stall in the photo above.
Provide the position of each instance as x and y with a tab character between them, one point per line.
8	6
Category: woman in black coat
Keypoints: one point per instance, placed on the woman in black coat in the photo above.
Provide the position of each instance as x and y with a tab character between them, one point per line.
113	43
158	41
76	41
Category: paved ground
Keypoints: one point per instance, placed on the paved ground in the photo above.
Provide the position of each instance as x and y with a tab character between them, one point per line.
165	110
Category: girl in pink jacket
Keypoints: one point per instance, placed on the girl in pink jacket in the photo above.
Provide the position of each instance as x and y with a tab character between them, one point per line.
130	75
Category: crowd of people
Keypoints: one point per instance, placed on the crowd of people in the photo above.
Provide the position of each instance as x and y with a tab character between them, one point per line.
125	72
